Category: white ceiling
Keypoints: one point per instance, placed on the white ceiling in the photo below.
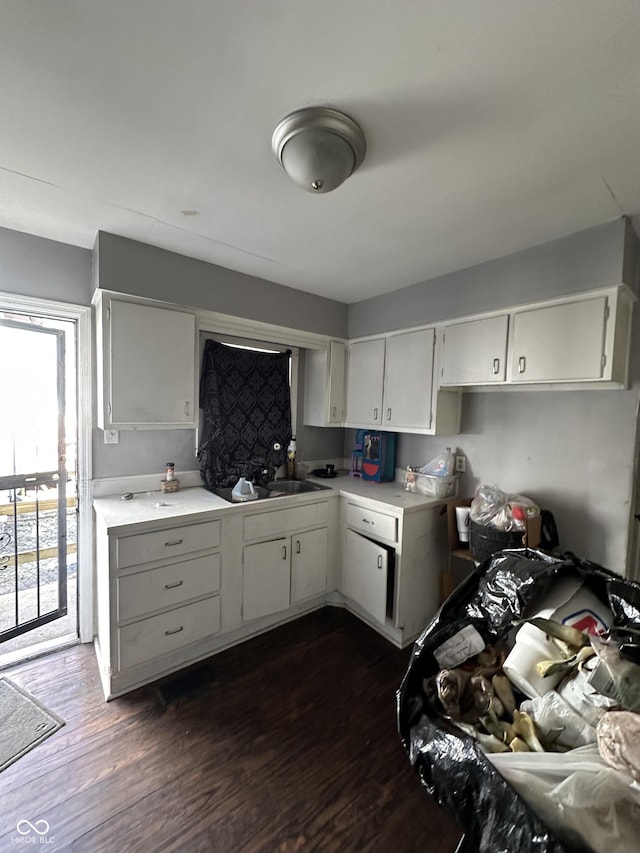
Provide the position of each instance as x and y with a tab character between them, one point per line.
491	125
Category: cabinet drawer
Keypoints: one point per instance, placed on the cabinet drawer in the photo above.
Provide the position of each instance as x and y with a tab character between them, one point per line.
285	520
167	586
371	522
171	542
162	634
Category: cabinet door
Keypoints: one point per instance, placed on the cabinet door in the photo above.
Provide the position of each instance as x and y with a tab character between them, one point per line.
408	379
266	578
308	564
364	382
324	389
337	382
559	343
365	575
475	352
152	365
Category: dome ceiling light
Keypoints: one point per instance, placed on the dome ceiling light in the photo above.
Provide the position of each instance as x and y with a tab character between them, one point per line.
318	147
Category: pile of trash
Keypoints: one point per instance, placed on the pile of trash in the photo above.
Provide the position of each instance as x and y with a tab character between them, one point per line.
491	507
521	706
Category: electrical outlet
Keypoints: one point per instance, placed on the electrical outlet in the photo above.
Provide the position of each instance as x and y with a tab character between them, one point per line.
111	436
461	464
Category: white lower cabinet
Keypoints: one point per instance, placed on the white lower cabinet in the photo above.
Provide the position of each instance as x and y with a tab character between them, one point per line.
158	589
266	578
173	592
366	571
391	563
309	564
280	572
145	639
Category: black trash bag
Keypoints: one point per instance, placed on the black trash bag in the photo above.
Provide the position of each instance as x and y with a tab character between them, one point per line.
451	767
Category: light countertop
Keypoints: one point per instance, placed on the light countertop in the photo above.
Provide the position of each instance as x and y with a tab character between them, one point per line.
191	503
391	494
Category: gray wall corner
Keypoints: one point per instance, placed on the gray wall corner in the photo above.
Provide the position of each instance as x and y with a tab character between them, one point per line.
586	260
631	261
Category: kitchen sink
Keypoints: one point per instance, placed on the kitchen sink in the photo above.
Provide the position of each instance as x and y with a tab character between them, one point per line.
226	494
275	489
279	488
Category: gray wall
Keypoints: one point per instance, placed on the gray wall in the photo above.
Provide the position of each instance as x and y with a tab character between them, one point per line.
592	258
573	451
126	266
44	269
570	450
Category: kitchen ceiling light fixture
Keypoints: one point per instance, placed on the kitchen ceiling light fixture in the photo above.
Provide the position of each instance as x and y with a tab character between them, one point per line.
318	147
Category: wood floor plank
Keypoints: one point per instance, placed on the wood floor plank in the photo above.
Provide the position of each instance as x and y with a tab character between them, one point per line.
293	747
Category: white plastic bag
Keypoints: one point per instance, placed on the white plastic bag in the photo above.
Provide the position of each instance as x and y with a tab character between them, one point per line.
441	466
491	507
577	790
558	722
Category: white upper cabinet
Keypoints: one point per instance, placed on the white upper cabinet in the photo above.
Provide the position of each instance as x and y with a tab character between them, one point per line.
408	380
365	379
324	387
579	341
147	366
474	352
560	342
582	341
390	385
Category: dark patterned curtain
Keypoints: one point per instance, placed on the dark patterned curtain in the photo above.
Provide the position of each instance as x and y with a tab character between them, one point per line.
246	404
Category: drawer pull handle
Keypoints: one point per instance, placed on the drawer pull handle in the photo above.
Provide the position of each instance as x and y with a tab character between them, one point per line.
522	364
168	633
366	521
379	561
297	546
173	542
173	585
375	414
496	365
284	552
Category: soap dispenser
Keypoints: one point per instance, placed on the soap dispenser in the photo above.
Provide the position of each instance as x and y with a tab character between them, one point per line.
291	459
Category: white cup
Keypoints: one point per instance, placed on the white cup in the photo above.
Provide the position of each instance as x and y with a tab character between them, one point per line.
462	520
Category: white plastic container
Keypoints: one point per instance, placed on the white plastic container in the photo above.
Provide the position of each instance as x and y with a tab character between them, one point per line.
436	487
569	602
462	522
243	491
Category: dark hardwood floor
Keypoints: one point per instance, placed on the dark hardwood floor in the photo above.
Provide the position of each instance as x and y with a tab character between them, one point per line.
292	747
